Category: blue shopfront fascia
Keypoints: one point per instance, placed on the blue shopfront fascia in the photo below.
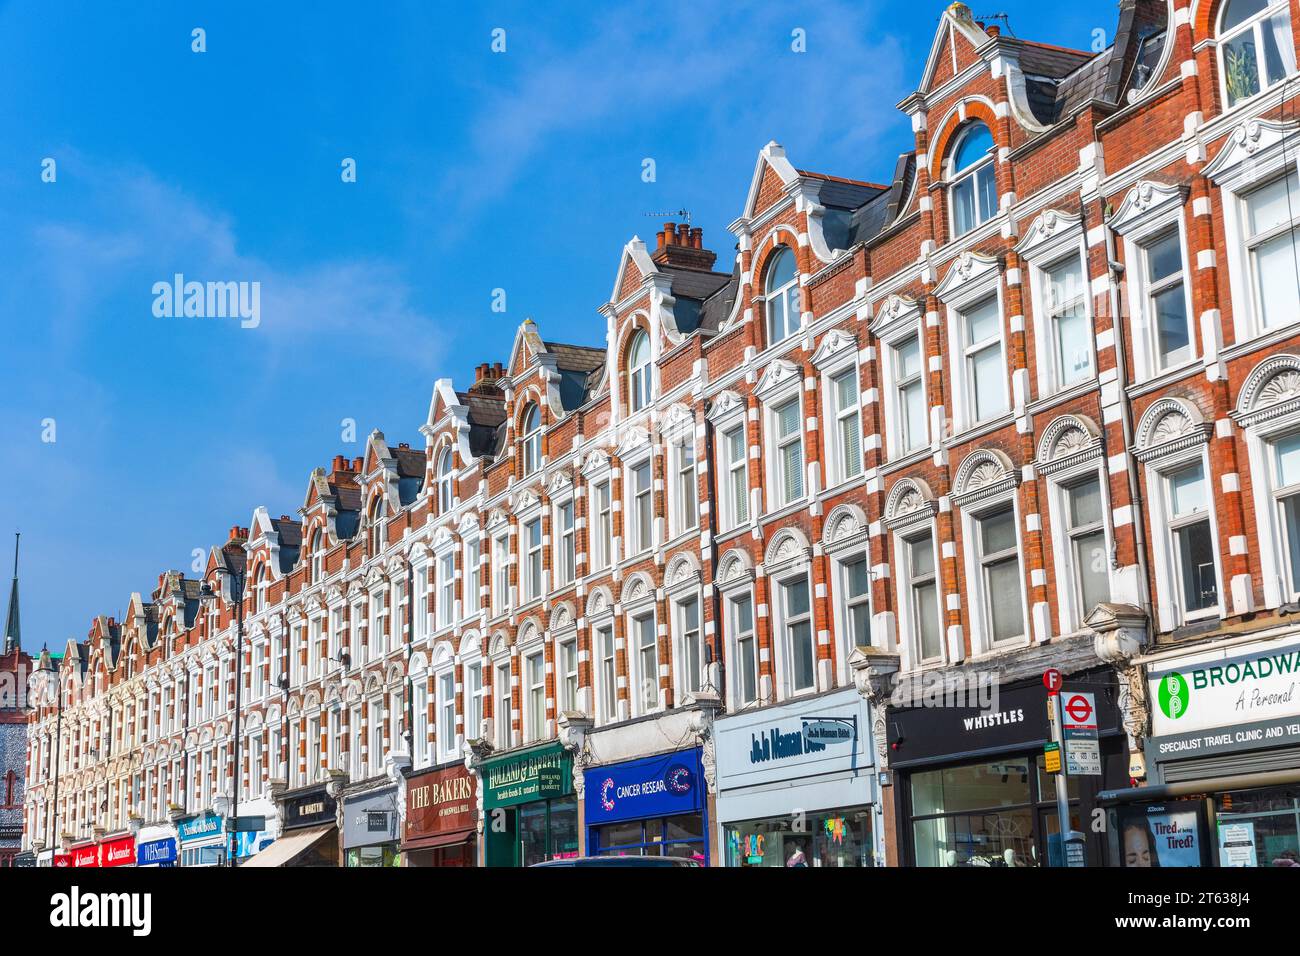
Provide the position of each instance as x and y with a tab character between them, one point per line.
651	788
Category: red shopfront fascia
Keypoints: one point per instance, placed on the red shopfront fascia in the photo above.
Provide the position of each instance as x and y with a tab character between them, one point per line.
63	861
119	852
85	856
441	808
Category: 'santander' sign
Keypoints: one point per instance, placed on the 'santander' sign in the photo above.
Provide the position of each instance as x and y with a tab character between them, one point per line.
1234	698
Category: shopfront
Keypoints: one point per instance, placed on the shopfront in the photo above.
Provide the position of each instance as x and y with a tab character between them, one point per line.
972	787
796	784
654	806
82	857
160	853
202	840
310	835
441	817
1223	760
117	851
370	836
538	818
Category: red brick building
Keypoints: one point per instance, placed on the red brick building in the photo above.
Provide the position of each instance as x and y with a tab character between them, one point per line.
1024	405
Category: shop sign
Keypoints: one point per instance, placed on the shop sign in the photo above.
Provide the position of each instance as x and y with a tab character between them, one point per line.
1251	689
156	853
63	860
539	774
119	852
85	856
370	818
199	828
441	801
309	809
652	787
1162	835
928	734
826	735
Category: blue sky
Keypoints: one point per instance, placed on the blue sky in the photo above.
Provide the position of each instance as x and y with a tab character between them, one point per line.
475	171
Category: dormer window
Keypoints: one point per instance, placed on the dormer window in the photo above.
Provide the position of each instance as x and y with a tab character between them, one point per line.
1257	51
376	521
638	371
444	481
532	439
973	193
782	297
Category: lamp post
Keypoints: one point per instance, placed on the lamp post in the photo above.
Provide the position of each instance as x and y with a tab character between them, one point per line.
207	595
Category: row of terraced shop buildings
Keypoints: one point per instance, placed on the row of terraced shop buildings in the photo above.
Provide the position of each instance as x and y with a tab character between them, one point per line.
736	584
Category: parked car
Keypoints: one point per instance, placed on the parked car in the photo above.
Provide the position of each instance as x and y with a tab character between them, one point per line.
659	861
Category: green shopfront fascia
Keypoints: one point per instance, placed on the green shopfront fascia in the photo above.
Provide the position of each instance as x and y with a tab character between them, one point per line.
530	810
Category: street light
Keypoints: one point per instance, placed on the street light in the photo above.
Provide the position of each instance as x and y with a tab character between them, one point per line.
209	596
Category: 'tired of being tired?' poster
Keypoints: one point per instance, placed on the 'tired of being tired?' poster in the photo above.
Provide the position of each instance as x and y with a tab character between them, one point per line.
1162	836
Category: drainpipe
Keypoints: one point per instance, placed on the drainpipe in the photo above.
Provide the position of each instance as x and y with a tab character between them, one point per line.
1116	269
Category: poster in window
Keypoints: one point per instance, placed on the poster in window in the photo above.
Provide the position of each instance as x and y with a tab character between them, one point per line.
1162	835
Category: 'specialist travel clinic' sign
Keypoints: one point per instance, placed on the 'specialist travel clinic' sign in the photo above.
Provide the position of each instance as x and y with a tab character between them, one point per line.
1232	699
538	774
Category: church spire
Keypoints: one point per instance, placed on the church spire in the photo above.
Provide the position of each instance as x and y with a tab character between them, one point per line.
13	633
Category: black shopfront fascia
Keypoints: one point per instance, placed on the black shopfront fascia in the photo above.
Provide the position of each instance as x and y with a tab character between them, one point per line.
313	807
932	738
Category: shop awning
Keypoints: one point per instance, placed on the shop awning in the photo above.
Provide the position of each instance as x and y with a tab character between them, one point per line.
441	839
289	847
1186	788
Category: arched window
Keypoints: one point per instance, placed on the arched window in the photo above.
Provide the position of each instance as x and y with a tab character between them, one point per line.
973	190
1255	47
260	585
638	371
532	439
782	296
317	551
377	524
444	481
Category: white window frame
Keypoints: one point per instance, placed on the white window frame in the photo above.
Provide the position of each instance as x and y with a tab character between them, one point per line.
566	541
531	549
534	691
776	445
445	736
728	416
530	442
911	650
446	473
964	391
475	671
640	539
1253	156
602	523
1262	427
1046	253
472	556
782	622
684	507
607	706
1150	212
640	376
955	177
567	644
1071	612
898	325
981	610
501	560
637	682
444	603
735	686
790	295
1256	24
1159	462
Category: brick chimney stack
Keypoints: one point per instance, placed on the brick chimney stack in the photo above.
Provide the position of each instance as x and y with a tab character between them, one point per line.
682	246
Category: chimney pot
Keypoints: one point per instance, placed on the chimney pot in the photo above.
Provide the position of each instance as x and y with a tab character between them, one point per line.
356	465
670	233
683	234
697	238
660	236
340	463
994	31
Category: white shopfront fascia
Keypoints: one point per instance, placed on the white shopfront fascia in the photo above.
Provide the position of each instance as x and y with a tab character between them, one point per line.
1227	698
766	770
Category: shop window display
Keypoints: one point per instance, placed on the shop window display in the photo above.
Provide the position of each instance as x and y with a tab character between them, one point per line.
995	814
680	836
1259	827
832	838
